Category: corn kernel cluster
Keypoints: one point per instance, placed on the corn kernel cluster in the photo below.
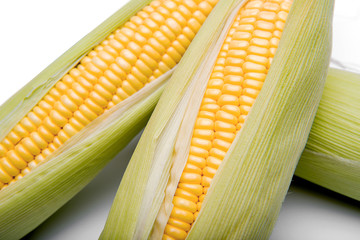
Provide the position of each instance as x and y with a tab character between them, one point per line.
237	77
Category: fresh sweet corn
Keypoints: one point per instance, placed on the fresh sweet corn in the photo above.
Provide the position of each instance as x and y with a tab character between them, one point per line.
235	81
213	163
56	130
147	46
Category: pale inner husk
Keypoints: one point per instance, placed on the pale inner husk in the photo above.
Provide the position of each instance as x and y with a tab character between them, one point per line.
114	113
187	111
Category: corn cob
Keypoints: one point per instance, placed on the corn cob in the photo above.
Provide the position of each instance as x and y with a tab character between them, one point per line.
119	67
332	153
252	162
71	100
231	91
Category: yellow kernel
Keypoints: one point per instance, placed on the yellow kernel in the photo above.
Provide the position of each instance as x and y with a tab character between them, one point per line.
258	51
20	130
245	109
230	61
242	118
205	181
204	123
262	34
205	7
207	114
247	20
62	136
213	93
237	53
87	113
217	153
234	79
227	99
254	5
282	15
266	26
202	143
197	161
8	167
223	126
254	67
226	117
13	137
250	12
69	130
209	172
215	83
246	28
100	95
274	7
16	160
258	59
255	76
27	124
267	16
196	189
174	232
179	224
246	36
285	6
213	162
199	152
198	206
253	93
185	194
249	83
226	136
4	176
190	178
184	204
279	25
23	153
233	110
211	107
277	34
239	44
245	100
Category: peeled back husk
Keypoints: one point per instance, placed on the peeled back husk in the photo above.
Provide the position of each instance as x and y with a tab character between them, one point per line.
246	194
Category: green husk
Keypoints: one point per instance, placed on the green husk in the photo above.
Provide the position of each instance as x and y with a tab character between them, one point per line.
332	154
247	192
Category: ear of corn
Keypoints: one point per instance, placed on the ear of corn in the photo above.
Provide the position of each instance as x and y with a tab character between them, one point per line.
146	175
66	124
332	153
245	196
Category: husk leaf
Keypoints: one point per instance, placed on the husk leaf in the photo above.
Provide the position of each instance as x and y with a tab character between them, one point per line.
332	154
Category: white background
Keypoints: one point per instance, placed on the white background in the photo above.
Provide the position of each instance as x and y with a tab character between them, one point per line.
34	33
